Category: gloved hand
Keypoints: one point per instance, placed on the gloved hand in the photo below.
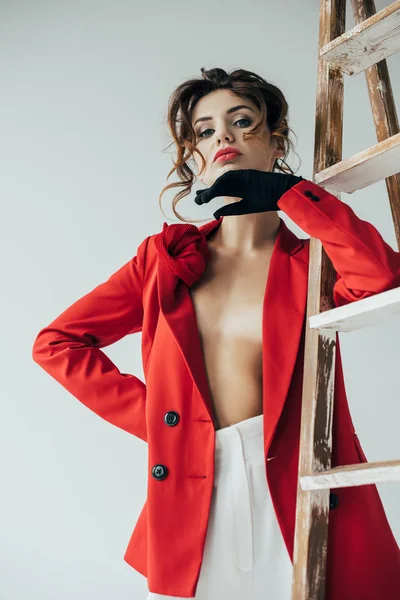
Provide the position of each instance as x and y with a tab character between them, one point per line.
260	191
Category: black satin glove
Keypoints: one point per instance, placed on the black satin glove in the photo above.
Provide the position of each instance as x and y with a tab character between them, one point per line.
260	191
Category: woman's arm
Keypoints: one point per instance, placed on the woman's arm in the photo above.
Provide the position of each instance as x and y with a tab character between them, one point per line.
364	262
68	349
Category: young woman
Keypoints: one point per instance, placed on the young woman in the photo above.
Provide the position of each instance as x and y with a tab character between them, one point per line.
222	311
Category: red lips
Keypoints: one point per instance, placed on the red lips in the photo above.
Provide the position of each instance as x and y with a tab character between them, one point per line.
226	150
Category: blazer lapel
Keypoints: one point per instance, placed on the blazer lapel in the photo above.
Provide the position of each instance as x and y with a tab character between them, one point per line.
284	310
177	309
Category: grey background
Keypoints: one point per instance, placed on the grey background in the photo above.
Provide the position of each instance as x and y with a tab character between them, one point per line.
83	158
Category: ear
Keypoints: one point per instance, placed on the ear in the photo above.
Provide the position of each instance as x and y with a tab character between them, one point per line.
280	149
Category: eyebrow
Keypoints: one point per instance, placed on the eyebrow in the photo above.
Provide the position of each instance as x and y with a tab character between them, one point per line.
230	110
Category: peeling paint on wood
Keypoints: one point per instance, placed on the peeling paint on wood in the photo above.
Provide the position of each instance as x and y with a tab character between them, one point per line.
375	35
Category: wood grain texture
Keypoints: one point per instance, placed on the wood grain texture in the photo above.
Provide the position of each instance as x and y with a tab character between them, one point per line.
375	37
312	508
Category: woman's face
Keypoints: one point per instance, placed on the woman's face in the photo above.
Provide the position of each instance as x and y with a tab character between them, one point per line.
226	129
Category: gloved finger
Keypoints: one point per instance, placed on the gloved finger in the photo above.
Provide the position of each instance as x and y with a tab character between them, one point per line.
235	208
229	183
201	197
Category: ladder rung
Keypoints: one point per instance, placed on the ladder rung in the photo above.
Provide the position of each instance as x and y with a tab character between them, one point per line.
365	168
352	475
360	313
367	43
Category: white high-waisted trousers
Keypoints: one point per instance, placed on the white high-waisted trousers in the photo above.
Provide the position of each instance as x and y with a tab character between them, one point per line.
245	556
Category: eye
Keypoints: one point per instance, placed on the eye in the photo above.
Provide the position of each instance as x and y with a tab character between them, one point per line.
201	135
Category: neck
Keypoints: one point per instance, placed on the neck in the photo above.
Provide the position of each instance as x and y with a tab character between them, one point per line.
246	235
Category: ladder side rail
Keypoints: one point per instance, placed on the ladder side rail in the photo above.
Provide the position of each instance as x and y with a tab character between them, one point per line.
312	507
383	109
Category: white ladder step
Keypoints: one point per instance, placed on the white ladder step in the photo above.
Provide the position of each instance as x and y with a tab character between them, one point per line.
361	313
352	475
363	169
367	43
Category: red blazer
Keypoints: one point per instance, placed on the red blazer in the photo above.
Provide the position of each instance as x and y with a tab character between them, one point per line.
172	409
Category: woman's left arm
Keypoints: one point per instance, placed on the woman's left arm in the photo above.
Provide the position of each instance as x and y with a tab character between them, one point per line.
364	262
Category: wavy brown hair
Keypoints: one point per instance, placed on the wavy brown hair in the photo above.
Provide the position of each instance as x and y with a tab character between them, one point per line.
267	97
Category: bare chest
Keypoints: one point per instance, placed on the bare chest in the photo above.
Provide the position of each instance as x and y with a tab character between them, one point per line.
228	303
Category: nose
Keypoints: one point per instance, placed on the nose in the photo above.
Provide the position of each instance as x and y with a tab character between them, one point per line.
224	135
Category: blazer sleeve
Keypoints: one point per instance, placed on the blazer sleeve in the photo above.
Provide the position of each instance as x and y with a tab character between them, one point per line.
68	349
364	262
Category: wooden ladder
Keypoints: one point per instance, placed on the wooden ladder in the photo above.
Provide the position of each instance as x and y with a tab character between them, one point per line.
363	48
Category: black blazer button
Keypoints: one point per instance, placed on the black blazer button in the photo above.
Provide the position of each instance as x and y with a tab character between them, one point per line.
171	418
333	501
159	472
310	194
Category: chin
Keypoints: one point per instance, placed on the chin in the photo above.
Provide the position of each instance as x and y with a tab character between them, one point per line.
230	166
